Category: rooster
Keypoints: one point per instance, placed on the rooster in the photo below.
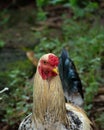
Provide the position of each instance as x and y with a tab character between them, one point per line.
50	112
71	82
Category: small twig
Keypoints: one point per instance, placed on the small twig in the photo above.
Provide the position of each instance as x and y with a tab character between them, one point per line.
58	7
32	58
101	90
99	98
97	110
5	89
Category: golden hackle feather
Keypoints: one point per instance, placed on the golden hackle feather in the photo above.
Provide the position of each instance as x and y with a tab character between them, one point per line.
48	99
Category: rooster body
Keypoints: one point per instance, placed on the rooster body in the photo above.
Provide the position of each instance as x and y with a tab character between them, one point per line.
77	120
50	112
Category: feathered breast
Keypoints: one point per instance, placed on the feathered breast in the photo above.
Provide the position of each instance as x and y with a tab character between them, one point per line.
48	99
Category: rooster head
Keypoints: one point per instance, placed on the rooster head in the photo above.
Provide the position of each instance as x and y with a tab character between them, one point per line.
48	66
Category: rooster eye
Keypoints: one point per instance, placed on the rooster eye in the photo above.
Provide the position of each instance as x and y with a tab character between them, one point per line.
45	62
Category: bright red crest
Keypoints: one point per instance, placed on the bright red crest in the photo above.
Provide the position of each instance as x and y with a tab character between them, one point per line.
53	60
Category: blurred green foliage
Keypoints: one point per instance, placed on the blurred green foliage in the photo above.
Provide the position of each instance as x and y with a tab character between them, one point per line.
72	3
83	40
100	119
80	8
2	43
15	102
4	17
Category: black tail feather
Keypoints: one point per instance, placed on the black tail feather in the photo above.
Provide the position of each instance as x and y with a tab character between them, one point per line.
70	79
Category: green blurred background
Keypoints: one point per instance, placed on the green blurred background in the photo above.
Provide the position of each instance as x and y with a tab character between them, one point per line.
45	26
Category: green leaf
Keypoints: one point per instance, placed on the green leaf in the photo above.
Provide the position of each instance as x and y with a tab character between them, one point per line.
2	43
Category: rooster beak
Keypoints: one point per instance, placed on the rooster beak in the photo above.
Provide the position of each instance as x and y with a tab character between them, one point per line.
55	70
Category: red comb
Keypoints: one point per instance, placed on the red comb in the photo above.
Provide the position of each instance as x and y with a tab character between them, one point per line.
53	60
